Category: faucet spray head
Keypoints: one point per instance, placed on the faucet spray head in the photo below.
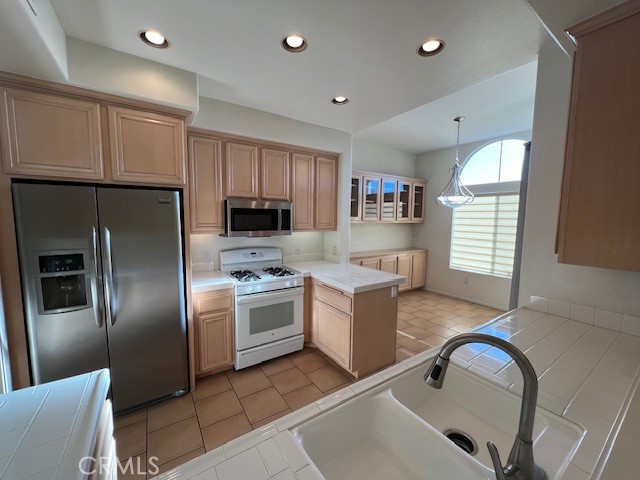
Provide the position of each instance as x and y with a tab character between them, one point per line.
435	375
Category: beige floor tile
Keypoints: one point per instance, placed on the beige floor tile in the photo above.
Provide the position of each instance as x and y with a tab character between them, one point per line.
401	354
217	407
335	389
270	419
416	332
211	385
173	441
442	331
461	328
420	323
263	404
130	418
404	316
304	351
131	440
310	362
402	325
303	396
251	381
435	340
276	366
406	308
134	468
176	462
415	346
289	380
326	378
221	432
170	411
444	322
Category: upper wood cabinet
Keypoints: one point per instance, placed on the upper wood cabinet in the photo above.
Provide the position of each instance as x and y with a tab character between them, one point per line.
241	170
600	196
355	208
303	191
326	193
205	184
418	191
371	199
274	174
47	135
403	206
147	147
388	199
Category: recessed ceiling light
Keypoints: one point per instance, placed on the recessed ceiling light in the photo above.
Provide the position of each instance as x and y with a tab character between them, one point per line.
340	100
153	38
430	48
294	43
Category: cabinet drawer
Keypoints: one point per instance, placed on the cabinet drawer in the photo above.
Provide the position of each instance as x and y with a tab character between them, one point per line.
333	297
214	301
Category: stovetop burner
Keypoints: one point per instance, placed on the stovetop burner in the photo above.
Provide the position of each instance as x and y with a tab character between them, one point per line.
278	271
245	275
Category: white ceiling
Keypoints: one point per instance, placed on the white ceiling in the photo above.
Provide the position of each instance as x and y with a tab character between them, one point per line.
364	49
498	106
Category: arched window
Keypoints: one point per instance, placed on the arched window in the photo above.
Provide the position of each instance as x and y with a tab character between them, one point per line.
484	232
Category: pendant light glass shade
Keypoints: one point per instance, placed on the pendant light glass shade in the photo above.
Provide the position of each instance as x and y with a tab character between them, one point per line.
455	194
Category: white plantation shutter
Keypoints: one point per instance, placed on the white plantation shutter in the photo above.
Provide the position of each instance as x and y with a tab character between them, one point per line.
484	235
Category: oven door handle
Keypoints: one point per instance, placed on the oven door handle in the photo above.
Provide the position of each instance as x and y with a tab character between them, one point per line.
255	297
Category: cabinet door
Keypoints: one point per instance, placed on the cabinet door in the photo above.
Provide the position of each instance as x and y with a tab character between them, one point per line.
215	340
371	199
371	263
50	136
303	191
403	213
404	268
147	147
205	184
388	200
389	263
241	170
418	269
274	169
308	308
326	195
356	198
331	330
418	190
356	261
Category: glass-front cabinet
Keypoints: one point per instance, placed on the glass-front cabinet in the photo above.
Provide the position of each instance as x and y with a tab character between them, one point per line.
388	204
417	202
404	201
371	202
356	198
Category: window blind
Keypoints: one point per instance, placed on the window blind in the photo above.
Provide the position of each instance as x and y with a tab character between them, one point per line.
484	235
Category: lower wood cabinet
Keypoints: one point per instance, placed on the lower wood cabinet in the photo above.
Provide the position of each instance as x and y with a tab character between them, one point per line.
308	308
358	331
411	264
214	327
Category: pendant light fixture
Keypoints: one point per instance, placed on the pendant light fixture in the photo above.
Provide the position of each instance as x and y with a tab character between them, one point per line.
455	194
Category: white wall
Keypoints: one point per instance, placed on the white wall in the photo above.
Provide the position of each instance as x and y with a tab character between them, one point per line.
235	119
435	233
99	68
541	274
373	158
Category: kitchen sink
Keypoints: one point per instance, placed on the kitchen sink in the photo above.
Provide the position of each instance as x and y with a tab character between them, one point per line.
398	431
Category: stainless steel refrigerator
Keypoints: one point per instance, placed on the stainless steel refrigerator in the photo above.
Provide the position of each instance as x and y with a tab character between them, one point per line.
103	286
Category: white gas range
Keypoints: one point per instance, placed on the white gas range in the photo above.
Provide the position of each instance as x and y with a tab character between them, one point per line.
268	306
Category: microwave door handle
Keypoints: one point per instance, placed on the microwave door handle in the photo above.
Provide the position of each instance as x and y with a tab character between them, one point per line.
109	291
94	278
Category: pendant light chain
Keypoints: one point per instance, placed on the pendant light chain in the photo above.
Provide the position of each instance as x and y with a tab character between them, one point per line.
455	194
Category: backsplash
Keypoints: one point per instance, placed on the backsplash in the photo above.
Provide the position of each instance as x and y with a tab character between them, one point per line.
203	267
620	322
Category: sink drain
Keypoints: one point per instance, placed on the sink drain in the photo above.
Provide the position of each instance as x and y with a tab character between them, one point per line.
462	440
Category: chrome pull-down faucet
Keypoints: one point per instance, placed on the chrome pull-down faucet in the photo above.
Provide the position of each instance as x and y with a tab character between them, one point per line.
520	464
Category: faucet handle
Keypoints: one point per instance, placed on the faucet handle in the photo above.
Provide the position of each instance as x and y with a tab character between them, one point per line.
497	464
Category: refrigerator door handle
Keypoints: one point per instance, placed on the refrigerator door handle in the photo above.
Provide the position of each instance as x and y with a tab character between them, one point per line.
109	291
94	279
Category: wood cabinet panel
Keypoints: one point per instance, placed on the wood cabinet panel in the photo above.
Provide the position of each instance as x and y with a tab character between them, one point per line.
50	135
303	191
332	296
326	193
389	263
147	147
355	207
404	268
418	193
331	331
274	168
418	269
205	184
216	340
241	170
308	308
599	207
373	263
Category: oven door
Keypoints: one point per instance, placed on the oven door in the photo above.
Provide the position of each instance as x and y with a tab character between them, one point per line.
267	317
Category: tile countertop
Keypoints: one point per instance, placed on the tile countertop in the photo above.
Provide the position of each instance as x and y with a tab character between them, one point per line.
586	373
208	281
45	430
348	277
381	253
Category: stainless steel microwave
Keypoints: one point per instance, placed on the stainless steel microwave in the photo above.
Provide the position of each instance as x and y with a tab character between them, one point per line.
257	218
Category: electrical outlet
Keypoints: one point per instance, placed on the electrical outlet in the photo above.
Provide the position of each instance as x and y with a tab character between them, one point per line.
206	256
297	251
334	250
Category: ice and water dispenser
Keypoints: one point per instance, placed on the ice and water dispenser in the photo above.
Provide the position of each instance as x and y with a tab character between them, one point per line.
62	282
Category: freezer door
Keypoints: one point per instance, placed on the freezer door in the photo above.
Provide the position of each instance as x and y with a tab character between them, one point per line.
144	293
57	229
